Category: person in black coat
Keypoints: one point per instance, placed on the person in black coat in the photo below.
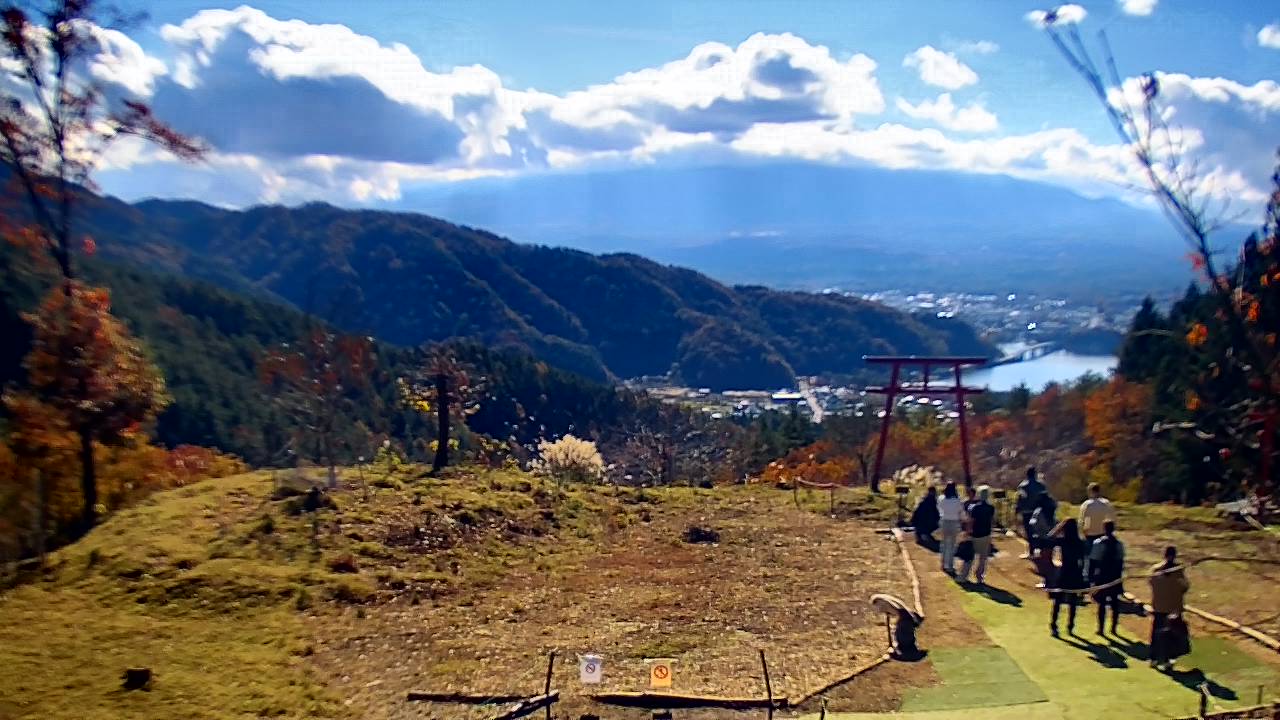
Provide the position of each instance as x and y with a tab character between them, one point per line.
925	519
1070	572
1105	568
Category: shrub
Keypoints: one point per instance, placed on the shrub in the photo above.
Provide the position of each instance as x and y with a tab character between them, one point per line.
569	459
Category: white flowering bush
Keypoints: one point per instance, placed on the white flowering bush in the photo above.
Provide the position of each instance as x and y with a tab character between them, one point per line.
916	476
569	459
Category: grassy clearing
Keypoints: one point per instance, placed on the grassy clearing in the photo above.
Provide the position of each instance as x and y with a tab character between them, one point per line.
246	605
144	590
220	587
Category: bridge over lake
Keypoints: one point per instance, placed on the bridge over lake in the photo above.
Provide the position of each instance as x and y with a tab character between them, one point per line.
1029	352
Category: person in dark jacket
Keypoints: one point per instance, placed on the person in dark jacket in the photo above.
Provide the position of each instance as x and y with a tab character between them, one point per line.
981	520
1029	492
925	519
1105	566
1069	574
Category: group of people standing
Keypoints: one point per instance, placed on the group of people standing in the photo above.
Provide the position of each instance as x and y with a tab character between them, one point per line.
973	516
1090	557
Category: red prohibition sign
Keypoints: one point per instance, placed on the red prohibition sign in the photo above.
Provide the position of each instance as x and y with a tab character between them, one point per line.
660	672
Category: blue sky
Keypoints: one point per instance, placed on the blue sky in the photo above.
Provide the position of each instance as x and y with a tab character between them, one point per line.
967	85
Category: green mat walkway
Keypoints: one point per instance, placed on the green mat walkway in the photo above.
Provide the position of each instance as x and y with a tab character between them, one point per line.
1032	676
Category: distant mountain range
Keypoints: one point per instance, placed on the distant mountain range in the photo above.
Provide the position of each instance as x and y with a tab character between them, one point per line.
811	226
409	279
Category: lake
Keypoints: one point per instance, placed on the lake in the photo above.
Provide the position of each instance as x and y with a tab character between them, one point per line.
1061	366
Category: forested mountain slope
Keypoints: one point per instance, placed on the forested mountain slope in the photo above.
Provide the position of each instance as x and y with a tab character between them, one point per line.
409	279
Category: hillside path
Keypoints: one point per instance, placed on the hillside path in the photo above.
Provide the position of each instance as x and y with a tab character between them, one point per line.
1082	676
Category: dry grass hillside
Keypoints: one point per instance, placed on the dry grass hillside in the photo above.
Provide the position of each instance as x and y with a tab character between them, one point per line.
245	604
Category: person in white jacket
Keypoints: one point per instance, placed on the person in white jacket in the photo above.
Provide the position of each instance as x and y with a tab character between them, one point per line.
951	514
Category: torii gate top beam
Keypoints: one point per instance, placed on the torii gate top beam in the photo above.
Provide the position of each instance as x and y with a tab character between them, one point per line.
895	387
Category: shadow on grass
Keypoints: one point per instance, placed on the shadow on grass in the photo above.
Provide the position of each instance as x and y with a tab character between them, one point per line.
1191	679
1099	653
1133	648
1000	595
1195	678
930	543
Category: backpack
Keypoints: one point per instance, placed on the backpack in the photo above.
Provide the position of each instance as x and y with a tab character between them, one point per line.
1108	567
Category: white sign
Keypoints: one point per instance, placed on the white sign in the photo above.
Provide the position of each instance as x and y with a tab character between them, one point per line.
590	669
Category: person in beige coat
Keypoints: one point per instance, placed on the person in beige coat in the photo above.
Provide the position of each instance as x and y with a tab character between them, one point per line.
1169	586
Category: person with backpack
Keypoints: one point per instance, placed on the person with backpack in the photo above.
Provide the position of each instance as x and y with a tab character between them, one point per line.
1105	567
982	515
1043	522
1069	574
1029	492
951	512
1169	586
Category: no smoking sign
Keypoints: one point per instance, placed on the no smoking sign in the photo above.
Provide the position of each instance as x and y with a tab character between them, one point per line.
590	669
660	674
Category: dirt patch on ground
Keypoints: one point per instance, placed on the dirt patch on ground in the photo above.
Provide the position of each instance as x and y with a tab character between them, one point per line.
790	581
1241	586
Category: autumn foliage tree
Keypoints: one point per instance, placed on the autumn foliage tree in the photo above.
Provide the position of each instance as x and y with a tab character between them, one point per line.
1236	367
442	387
55	125
314	380
87	368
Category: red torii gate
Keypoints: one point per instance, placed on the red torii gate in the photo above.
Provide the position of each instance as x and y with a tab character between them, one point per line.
896	387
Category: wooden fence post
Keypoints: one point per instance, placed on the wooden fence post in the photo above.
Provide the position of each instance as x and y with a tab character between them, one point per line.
768	686
546	687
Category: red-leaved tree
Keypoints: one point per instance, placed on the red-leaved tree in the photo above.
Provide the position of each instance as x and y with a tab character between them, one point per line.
86	367
55	125
314	380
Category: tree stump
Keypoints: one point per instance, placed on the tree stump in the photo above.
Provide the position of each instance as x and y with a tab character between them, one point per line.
136	679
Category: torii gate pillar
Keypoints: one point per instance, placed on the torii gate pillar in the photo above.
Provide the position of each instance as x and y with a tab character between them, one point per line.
896	387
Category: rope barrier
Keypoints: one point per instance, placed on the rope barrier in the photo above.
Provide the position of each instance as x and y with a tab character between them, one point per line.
1104	586
1260	637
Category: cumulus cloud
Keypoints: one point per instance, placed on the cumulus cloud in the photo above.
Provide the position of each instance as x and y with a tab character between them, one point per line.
1070	14
721	89
120	61
943	111
297	112
1141	8
1227	127
940	68
1063	156
1269	36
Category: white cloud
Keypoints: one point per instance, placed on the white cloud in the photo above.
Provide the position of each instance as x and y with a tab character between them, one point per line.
299	112
1063	156
1269	36
719	88
940	68
971	118
121	61
978	47
1141	8
1070	14
1227	128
